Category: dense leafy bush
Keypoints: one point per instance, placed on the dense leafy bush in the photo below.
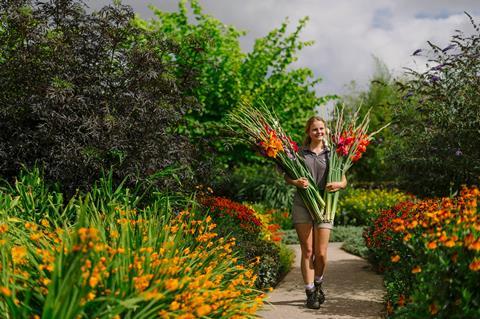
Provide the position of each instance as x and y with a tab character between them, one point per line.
359	206
116	260
257	184
81	92
226	73
439	118
438	239
256	238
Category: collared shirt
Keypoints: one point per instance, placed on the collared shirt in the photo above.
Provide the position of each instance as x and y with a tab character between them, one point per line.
317	165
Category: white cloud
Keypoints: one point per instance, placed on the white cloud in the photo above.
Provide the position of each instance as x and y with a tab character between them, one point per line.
346	33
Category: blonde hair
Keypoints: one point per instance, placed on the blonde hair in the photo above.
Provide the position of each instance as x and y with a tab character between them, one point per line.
308	140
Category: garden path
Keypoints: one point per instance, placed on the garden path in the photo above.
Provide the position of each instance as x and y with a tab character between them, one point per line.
352	289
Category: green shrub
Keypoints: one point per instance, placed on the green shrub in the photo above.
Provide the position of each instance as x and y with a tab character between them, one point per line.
359	206
437	121
89	91
257	184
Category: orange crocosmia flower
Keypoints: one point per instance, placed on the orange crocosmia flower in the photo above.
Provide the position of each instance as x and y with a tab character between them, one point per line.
432	245
475	265
416	270
395	258
203	310
171	284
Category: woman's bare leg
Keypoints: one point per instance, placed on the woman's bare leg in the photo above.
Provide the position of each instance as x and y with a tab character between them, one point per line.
305	236
321	237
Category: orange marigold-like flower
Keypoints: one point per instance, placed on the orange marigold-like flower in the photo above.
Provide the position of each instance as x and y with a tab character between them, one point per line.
395	258
416	270
432	245
475	265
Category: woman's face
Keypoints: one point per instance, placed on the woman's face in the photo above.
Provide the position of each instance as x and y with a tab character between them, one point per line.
317	131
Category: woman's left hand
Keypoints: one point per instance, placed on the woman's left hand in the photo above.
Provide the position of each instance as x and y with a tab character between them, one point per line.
334	186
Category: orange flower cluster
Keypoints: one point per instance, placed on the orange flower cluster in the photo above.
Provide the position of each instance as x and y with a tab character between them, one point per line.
271	144
186	271
436	238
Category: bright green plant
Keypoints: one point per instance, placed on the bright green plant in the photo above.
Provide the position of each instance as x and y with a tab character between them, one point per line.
359	206
226	73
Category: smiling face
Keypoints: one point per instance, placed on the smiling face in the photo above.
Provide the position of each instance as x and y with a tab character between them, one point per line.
316	131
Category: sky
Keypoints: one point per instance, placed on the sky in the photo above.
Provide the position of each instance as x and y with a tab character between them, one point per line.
347	33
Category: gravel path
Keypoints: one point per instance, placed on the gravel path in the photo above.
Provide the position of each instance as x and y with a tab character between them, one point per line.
352	290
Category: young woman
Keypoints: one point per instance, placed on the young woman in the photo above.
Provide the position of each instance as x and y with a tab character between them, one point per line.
313	237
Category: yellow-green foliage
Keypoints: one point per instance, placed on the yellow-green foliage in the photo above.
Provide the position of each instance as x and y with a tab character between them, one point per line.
115	260
359	206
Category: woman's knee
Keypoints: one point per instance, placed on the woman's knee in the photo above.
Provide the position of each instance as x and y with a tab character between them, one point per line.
321	254
307	252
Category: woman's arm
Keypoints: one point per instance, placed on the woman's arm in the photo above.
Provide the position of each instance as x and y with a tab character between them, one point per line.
302	182
336	186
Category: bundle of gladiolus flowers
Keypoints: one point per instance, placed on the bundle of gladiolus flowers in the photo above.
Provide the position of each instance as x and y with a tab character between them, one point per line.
260	128
347	141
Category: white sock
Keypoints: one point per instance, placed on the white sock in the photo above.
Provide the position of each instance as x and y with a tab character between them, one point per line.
319	279
309	286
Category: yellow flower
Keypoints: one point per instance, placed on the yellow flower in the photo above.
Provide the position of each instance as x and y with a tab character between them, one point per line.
171	284
3	228
18	253
203	310
5	291
45	223
174	306
450	243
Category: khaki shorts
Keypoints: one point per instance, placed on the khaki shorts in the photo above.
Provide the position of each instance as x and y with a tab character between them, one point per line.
300	215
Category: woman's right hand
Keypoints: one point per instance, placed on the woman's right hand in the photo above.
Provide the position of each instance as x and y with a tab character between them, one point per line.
302	182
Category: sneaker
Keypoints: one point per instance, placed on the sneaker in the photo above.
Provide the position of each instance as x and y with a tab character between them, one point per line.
320	293
312	299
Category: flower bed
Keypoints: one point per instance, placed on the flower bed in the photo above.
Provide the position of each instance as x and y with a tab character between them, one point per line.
257	238
430	253
117	261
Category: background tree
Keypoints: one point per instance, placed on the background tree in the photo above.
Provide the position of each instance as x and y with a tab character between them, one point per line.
226	74
81	92
439	119
381	97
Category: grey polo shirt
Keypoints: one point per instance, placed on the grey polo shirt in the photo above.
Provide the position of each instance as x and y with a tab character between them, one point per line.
317	165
